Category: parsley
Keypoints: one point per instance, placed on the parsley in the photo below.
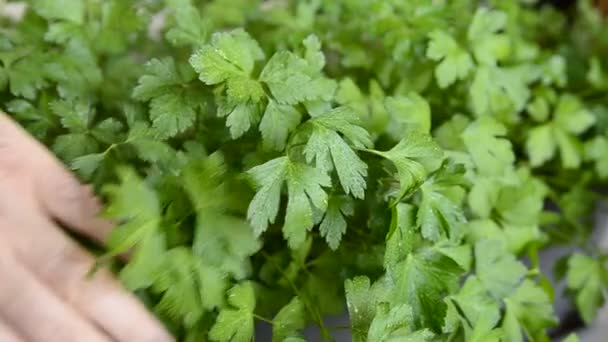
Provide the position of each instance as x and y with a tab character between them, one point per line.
280	161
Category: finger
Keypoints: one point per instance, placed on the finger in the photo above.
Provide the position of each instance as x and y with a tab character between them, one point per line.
7	334
64	266
34	311
72	204
59	192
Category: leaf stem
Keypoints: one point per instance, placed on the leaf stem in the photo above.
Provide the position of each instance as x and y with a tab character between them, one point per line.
263	319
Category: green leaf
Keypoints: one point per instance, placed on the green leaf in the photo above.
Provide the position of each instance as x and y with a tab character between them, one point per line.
361	306
532	309
449	134
144	140
264	207
136	206
413	157
26	75
75	69
477	310
572	338
109	131
334	225
538	109
189	29
242	89
413	112
75	116
540	145
173	108
247	149
72	10
72	145
212	285
86	165
570	119
455	62
160	75
516	236
290	319
225	242
146	263
221	240
586	277
570	149
240	117
483	196
499	271
120	20
3	79
343	121
491	152
203	179
172	113
236	323
422	281
230	54
392	324
597	150
313	54
177	281
305	192
326	147
571	116
596	75
488	46
278	122
494	85
292	79
401	236
439	215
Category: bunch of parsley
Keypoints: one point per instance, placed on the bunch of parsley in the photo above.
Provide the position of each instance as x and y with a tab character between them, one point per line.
284	160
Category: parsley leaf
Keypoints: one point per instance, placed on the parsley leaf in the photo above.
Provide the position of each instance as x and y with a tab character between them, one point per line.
587	277
292	79
491	153
289	320
456	63
334	224
305	193
235	323
327	148
230	55
528	309
413	157
570	119
361	306
269	150
422	282
497	270
439	215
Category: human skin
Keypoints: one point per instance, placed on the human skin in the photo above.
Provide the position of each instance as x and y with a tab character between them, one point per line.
45	293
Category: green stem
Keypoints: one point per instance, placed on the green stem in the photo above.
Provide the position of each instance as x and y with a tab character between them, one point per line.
263	319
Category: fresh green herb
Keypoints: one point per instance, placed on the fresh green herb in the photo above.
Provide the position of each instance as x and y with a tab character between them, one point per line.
280	161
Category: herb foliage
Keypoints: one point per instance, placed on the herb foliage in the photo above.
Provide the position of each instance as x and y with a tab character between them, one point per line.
284	160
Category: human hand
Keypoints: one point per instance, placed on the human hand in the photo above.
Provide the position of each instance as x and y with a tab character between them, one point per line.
45	294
